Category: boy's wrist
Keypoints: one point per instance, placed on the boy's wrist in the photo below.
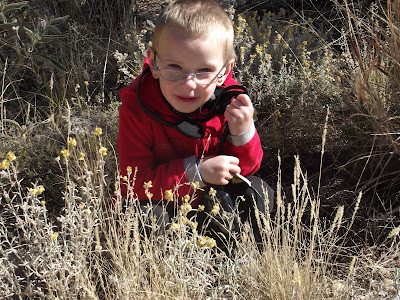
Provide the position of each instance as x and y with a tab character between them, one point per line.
244	137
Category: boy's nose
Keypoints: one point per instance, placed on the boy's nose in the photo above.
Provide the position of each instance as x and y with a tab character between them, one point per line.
190	81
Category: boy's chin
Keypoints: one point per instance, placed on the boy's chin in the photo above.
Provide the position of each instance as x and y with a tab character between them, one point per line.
185	110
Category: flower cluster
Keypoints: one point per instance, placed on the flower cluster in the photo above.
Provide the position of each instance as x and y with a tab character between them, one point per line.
37	190
10	156
205	241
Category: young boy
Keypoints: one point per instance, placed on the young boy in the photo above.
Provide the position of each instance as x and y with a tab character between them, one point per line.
167	126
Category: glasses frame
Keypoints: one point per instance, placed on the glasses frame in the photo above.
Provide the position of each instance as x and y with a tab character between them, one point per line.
218	75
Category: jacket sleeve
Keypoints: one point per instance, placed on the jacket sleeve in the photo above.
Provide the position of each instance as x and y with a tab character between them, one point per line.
135	150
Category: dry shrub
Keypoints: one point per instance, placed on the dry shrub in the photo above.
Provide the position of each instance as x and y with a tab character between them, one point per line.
369	75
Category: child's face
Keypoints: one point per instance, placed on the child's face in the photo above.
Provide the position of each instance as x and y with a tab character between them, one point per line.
178	51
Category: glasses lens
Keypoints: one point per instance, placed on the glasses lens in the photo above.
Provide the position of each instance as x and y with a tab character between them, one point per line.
171	74
176	75
206	78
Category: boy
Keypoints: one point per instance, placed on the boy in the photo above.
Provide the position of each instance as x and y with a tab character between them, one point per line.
168	128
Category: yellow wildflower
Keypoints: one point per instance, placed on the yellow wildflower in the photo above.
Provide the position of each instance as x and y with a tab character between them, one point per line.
81	156
175	226
215	209
186	198
98	131
193	224
54	236
103	151
210	242
195	185
43	203
212	192
169	196
148	185
201	208
206	241
11	156
40	189
5	164
185	208
65	153
201	242
125	178
86	82
72	142
129	169
37	190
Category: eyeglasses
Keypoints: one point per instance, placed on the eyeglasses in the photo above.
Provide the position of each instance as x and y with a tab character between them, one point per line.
175	75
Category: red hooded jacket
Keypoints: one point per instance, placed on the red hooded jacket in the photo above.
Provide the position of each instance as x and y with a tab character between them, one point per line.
164	156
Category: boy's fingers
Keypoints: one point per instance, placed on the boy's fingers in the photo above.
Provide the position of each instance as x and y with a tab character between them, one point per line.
233	160
242	99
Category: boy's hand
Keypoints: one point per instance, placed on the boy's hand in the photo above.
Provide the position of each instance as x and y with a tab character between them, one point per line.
239	114
219	169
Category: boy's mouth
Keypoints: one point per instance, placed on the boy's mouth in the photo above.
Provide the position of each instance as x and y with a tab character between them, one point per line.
186	99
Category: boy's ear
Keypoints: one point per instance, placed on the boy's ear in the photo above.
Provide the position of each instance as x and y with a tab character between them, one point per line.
150	56
228	69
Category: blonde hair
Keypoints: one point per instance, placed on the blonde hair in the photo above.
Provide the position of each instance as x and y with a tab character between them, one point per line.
197	18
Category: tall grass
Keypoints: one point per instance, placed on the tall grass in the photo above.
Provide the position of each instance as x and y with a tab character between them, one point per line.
370	79
95	249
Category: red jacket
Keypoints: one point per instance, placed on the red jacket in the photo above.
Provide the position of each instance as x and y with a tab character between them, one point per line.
165	156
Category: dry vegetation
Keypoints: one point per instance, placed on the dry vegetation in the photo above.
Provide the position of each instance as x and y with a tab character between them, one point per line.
324	79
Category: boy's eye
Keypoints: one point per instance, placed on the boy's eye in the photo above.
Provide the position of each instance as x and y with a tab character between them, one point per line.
205	70
174	66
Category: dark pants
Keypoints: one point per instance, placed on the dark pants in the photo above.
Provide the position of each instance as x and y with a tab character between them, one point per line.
224	226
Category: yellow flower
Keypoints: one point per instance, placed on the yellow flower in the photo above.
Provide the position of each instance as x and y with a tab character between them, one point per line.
210	242
103	151
169	196
193	224
125	178
98	131
54	236
65	153
40	189
195	185
206	241
129	169
86	83
5	164
37	190
185	208
11	156
81	156
201	242
186	198
175	226
72	142
215	209
148	185
201	208
212	192
43	203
